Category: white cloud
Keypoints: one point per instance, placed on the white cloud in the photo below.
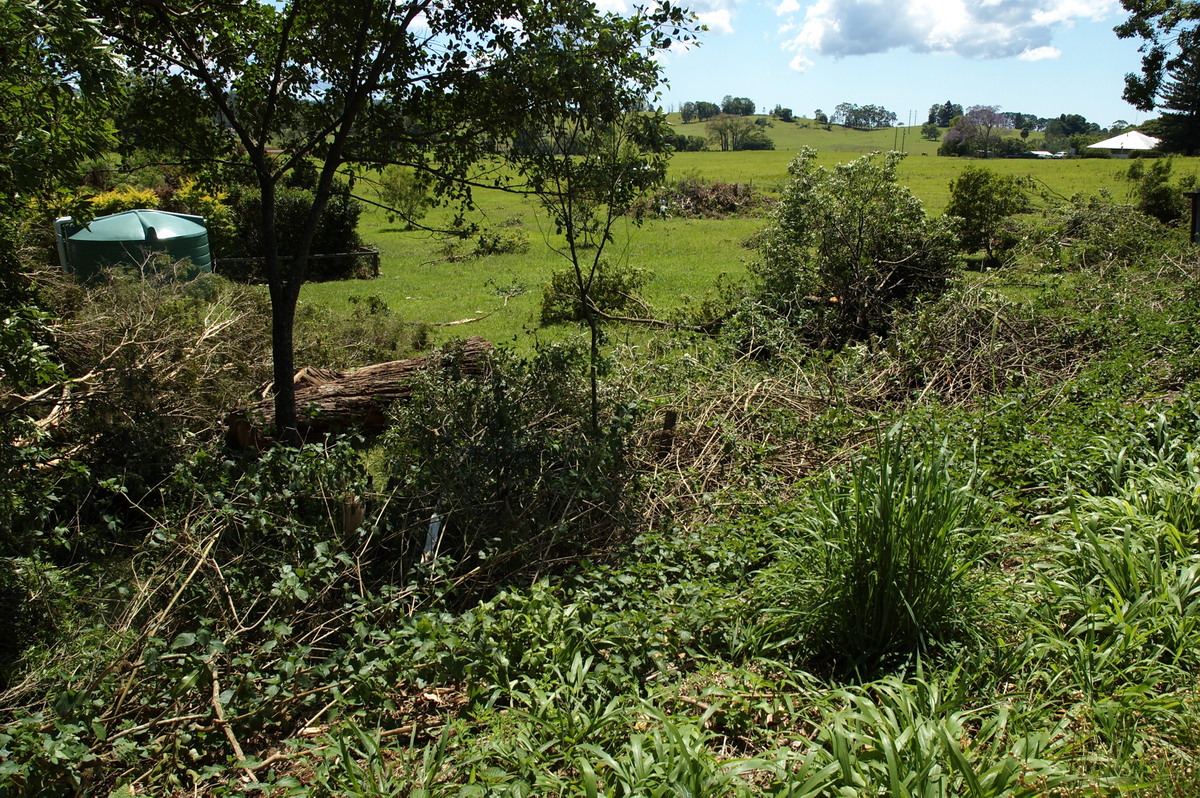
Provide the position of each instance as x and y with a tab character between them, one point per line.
800	63
1040	54
718	21
1070	10
969	28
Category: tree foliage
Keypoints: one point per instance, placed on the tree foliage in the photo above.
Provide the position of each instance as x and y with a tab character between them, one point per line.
1170	66
1180	97
404	193
1168	32
1150	185
369	82
700	111
735	133
943	115
57	83
973	133
737	106
58	86
854	240
862	117
982	200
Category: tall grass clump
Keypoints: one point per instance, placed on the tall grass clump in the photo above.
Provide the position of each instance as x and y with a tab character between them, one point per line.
886	560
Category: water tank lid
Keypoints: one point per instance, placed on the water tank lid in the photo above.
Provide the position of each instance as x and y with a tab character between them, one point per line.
140	225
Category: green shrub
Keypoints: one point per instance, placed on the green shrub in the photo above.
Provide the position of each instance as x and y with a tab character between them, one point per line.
501	242
983	201
612	290
124	198
336	233
485	243
191	197
1150	184
404	195
854	245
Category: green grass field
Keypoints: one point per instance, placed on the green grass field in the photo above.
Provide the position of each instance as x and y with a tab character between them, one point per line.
685	256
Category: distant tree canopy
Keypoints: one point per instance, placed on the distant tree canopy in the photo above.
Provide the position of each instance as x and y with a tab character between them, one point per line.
974	133
1019	121
732	133
783	114
681	142
699	111
737	106
862	117
943	115
1068	125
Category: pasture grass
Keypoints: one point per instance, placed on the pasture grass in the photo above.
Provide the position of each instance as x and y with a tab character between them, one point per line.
501	294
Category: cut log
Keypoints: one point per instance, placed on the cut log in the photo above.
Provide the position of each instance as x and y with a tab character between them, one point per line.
329	400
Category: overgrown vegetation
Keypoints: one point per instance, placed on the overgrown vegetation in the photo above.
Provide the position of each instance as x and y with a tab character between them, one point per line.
613	291
950	551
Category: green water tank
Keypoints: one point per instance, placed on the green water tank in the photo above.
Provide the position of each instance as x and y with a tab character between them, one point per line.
131	238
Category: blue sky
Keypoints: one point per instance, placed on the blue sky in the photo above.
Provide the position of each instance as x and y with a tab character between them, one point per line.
1044	57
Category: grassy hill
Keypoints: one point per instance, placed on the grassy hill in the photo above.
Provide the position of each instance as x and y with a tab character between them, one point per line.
791	136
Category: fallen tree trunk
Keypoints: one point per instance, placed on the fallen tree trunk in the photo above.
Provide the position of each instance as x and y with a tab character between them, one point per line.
329	400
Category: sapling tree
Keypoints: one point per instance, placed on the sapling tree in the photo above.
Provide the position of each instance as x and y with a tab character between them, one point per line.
588	163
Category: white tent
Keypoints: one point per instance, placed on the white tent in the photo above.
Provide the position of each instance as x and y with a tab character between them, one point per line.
1132	140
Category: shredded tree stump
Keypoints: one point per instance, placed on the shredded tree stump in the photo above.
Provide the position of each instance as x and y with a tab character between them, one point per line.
329	400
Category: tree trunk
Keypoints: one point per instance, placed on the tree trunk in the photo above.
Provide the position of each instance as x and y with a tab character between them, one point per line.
283	321
285	292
